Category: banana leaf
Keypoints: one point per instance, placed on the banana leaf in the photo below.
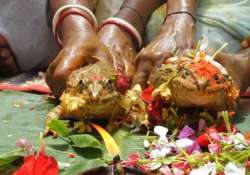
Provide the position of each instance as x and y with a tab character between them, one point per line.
22	116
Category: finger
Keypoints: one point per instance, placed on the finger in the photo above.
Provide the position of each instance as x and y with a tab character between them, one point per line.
64	68
7	62
145	66
129	69
129	63
245	43
51	69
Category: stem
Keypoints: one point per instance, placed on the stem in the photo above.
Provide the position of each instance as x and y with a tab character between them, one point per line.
219	50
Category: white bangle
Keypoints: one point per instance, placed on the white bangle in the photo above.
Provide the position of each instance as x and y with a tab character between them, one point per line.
126	25
61	9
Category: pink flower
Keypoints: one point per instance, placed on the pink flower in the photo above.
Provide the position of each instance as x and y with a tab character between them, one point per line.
165	170
182	167
132	160
187	132
194	148
213	134
25	145
214	148
202	124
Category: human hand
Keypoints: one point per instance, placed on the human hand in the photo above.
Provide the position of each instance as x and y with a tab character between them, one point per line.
121	47
175	35
77	52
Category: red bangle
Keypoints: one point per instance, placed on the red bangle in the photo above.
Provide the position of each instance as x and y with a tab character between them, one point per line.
66	13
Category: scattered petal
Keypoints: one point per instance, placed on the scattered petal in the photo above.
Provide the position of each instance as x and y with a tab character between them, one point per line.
39	164
214	148
186	132
132	160
146	144
202	124
165	170
232	169
184	143
147	94
213	134
207	169
161	132
194	148
110	143
239	141
154	166
25	145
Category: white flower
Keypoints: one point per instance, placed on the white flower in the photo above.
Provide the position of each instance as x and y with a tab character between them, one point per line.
154	166
207	169
146	144
161	132
184	143
232	169
178	171
239	141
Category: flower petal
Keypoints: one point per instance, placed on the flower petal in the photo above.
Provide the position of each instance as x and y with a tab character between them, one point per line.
161	131
239	141
184	143
38	165
166	170
186	132
232	169
214	148
207	169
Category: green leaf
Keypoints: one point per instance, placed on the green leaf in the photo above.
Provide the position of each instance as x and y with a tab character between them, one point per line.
8	158
85	141
83	166
59	127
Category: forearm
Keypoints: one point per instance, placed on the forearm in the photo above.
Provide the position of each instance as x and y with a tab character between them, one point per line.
188	18
137	12
74	24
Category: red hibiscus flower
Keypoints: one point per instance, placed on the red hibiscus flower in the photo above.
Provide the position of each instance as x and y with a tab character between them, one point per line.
155	111
147	94
39	164
203	139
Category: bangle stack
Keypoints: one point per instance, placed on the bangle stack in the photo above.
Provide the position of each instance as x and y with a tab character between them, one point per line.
126	26
67	10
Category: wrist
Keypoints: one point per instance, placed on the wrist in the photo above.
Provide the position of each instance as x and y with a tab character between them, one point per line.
76	26
182	5
181	9
131	17
116	32
71	18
